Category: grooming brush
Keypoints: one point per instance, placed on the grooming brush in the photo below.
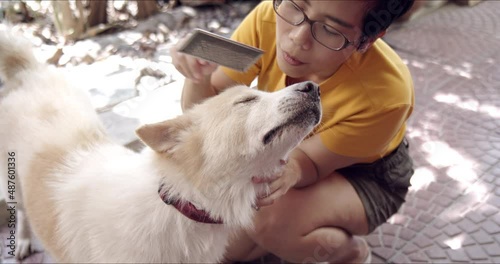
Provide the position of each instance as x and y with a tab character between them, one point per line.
220	50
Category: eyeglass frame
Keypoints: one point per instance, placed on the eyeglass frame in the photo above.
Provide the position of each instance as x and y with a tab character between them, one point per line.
311	22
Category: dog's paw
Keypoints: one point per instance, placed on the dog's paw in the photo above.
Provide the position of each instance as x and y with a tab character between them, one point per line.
23	248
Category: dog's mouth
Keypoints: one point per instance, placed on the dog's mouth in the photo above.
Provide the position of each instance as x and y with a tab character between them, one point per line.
310	116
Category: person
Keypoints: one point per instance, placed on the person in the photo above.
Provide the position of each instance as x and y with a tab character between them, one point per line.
353	172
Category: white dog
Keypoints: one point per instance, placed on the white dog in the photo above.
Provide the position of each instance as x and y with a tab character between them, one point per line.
89	199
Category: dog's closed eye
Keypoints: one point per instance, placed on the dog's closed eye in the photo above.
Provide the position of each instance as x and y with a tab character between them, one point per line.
246	100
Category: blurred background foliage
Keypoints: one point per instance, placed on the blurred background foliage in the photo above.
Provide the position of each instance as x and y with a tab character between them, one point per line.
78	19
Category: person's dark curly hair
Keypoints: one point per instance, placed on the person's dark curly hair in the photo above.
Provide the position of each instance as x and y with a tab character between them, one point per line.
382	13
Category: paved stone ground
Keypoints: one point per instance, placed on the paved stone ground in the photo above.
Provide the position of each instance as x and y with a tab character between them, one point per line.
451	213
452	210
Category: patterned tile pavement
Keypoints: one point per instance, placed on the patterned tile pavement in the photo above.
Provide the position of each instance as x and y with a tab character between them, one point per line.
452	211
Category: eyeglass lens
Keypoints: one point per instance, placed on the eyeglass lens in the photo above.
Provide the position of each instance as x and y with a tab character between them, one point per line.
324	34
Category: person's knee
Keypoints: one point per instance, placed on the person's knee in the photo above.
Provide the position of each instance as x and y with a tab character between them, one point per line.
330	243
333	246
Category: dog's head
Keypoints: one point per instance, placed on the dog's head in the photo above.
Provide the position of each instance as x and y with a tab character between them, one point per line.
242	132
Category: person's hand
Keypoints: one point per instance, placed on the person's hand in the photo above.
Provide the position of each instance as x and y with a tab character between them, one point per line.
192	68
279	184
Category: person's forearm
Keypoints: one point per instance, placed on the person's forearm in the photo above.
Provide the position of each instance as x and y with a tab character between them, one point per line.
305	167
194	93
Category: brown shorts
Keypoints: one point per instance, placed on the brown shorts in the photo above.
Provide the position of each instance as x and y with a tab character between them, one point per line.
382	185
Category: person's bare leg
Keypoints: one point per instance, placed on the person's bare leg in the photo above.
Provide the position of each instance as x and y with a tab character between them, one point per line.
355	250
314	223
243	248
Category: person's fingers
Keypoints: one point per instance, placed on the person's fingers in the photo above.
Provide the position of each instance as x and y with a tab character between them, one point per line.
189	66
269	199
258	179
275	190
197	69
272	188
202	62
208	68
264	202
194	68
180	63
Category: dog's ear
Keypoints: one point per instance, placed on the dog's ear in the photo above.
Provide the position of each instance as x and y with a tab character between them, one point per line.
163	136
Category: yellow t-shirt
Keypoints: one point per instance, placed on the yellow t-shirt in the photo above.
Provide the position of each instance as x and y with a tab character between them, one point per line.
365	103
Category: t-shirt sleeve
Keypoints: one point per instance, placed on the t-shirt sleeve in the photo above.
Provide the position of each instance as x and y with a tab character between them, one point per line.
366	134
248	33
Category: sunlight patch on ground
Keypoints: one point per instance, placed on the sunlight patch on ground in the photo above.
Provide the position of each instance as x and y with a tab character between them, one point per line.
418	64
462	173
459	168
479	192
440	155
80	49
422	178
468	104
414	133
491	110
129	37
154	106
456	242
414	63
456	71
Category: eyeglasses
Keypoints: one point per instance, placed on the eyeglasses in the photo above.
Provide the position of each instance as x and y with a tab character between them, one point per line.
322	33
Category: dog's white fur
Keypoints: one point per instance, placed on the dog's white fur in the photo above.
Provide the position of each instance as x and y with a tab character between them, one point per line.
91	200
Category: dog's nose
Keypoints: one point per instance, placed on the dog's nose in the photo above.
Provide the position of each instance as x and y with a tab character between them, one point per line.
309	88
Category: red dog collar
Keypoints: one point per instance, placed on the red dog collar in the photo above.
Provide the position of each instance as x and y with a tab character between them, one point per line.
189	210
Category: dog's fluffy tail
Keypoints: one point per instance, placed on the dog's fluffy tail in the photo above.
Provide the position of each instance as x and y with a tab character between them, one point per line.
16	54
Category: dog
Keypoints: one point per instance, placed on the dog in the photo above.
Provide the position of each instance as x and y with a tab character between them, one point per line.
89	199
